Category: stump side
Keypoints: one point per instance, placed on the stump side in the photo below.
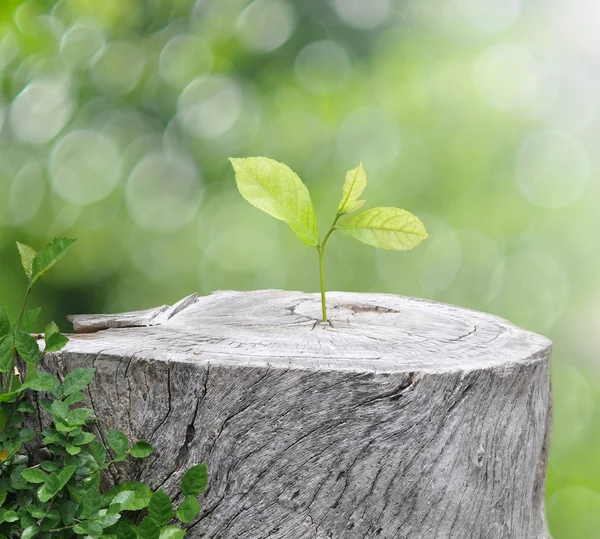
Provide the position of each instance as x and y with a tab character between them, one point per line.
400	419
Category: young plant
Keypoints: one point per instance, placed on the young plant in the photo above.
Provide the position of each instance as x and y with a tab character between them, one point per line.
57	494
277	190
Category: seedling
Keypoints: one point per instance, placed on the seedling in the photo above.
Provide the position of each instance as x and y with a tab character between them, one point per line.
277	190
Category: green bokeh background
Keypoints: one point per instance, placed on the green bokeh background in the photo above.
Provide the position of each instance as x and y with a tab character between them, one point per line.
117	118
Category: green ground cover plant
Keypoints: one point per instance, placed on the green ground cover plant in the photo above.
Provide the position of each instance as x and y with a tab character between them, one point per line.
277	190
50	480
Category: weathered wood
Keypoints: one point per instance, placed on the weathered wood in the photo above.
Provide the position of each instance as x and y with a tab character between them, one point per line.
400	419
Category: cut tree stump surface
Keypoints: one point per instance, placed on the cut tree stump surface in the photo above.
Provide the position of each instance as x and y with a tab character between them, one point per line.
399	419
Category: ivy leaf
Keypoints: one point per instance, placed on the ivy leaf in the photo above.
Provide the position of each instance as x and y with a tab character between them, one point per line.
54	339
356	181
34	475
118	443
27	347
74	398
29	319
195	480
6	352
277	190
139	500
148	529
92	503
386	228
30	531
27	255
4	322
188	509
76	380
124	530
59	410
49	255
98	452
42	382
160	508
67	510
172	532
141	450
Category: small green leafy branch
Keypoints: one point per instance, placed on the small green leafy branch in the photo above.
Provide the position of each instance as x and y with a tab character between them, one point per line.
57	494
277	190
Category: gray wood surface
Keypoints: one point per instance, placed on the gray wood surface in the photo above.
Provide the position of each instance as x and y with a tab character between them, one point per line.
399	419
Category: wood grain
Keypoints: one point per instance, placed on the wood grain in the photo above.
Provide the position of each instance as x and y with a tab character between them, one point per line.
400	419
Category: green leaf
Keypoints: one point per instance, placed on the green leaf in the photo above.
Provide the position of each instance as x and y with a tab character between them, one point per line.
160	508
172	532
10	516
67	510
49	255
65	474
59	410
49	489
6	352
4	322
140	499
44	382
27	255
118	442
84	438
277	190
141	450
188	509
79	416
74	398
195	480
98	452
72	449
356	181
2	496
26	407
76	380
92	503
29	319
29	532
386	228
27	347
54	339
148	529
124	530
34	475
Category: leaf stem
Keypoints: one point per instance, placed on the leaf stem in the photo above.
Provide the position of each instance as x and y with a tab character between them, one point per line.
322	275
321	250
11	373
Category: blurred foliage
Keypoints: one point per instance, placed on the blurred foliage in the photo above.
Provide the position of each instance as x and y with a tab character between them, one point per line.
481	117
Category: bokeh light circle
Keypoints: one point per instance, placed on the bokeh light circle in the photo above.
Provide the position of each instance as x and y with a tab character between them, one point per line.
209	106
118	67
322	67
370	135
184	58
164	191
81	43
506	76
573	413
362	14
439	263
552	168
41	110
265	25
490	16
84	167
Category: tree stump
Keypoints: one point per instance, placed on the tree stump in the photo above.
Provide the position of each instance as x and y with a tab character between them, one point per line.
399	419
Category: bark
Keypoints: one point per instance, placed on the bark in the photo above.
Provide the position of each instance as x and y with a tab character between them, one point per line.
399	419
